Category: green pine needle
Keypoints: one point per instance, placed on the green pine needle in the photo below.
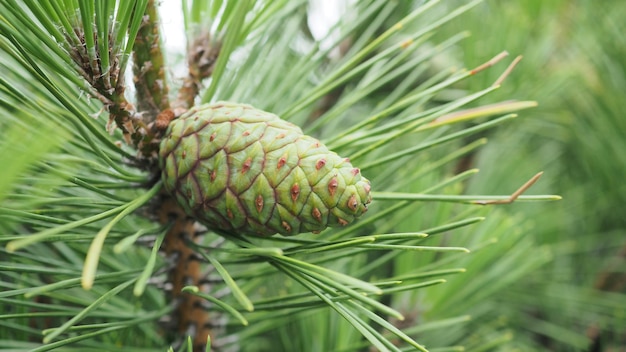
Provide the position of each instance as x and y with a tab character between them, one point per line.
238	293
142	281
93	255
226	307
52	334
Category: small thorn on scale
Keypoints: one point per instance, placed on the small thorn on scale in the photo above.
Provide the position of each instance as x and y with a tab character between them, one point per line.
332	186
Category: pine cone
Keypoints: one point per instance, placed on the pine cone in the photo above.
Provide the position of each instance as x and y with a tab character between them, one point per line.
242	170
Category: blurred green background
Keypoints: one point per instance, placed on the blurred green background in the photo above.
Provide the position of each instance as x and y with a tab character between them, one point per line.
574	66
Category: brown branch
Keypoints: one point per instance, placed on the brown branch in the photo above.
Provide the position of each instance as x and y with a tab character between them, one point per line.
202	54
121	112
190	318
611	279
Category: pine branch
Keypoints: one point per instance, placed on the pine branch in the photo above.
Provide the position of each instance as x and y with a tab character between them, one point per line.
202	53
190	317
149	66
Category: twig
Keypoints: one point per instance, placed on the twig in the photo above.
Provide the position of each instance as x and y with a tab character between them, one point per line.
490	63
508	70
202	54
189	316
515	194
149	66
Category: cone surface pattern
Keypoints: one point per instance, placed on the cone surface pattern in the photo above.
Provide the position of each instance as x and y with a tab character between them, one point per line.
242	170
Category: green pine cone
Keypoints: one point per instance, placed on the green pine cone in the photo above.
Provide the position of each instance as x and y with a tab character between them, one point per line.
239	169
